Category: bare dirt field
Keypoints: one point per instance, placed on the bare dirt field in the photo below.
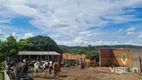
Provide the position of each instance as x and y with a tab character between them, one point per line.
88	74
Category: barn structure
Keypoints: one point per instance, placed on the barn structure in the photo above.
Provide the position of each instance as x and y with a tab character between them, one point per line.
39	55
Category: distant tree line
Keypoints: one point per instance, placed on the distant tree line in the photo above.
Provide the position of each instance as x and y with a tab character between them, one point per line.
90	51
11	46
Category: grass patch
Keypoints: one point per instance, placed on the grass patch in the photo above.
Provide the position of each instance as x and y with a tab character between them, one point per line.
1	76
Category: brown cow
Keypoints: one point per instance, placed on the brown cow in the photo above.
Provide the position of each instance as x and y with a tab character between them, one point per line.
57	68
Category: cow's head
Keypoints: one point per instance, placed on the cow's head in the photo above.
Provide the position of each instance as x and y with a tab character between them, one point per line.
24	60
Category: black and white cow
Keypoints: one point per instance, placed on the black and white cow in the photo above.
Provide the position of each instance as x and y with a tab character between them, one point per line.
42	66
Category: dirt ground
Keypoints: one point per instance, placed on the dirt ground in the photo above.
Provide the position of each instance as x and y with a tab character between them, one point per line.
88	74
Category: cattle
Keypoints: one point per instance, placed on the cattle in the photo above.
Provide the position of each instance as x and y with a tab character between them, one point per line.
17	69
56	67
24	67
42	66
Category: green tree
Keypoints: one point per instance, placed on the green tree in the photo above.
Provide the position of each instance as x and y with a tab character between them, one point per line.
2	46
25	45
63	49
2	57
89	47
44	43
11	44
12	52
93	55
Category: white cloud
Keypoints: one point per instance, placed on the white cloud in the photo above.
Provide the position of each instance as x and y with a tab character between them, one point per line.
130	33
14	34
4	21
129	42
2	33
75	13
76	41
20	36
120	30
27	35
140	35
24	10
130	29
133	43
85	43
71	19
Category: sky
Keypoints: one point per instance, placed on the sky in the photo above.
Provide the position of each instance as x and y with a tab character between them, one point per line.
74	22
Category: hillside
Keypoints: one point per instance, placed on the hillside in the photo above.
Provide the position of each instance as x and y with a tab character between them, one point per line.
75	48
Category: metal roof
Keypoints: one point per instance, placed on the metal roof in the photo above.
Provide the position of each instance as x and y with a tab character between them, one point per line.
38	53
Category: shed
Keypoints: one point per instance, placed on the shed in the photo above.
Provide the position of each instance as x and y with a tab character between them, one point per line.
39	55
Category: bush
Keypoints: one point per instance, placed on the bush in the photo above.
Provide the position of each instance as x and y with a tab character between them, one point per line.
1	76
1	57
2	65
92	55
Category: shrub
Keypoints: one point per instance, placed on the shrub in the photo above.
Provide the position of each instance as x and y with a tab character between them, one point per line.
1	57
2	65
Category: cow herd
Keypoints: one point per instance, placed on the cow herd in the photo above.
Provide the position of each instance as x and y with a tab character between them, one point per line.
17	69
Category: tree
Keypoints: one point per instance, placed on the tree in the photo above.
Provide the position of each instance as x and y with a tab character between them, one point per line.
1	57
93	55
12	52
44	43
63	49
11	43
25	45
89	47
3	47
